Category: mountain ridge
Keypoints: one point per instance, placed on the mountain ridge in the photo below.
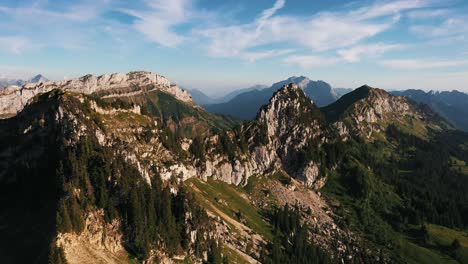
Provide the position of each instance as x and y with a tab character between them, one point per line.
13	98
246	105
152	177
452	105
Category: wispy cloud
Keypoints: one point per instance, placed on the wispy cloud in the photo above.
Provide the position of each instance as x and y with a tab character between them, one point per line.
450	27
355	53
348	55
430	13
158	19
388	8
421	64
39	24
319	32
311	61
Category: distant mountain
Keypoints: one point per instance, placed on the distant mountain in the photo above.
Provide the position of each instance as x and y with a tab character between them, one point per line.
5	82
452	105
343	91
235	93
246	105
200	97
38	79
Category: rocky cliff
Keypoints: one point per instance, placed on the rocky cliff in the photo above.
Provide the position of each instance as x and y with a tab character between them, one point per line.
14	98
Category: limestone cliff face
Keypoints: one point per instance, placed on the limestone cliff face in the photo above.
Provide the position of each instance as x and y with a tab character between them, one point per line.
284	127
14	98
292	122
100	242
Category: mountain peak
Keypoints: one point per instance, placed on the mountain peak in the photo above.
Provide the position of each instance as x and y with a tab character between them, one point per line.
38	79
367	110
365	86
291	102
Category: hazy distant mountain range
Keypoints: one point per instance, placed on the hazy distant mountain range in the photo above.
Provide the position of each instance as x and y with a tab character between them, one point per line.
5	82
452	105
245	105
343	91
203	99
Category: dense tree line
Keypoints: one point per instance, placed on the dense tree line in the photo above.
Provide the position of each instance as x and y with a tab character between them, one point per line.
433	190
400	181
150	213
292	243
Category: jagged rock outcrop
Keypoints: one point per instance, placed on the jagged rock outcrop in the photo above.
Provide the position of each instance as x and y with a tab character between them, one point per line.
284	128
14	98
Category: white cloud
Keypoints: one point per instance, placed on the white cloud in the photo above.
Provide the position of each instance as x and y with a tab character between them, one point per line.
267	13
450	27
429	13
38	13
310	61
413	64
355	53
45	25
388	8
158	20
320	32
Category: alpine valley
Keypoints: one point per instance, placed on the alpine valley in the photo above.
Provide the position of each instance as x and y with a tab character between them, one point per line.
127	168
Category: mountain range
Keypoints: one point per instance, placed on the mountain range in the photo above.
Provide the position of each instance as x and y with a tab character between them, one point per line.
202	99
127	168
453	105
245	105
5	82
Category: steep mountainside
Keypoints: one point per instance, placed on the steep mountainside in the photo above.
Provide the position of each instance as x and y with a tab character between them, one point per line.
451	105
369	110
100	170
246	105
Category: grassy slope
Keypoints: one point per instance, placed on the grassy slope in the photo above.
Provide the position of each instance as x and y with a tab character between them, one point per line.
443	237
437	248
217	193
413	253
233	256
189	117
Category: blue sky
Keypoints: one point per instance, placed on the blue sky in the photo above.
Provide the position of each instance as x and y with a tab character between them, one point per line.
218	46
